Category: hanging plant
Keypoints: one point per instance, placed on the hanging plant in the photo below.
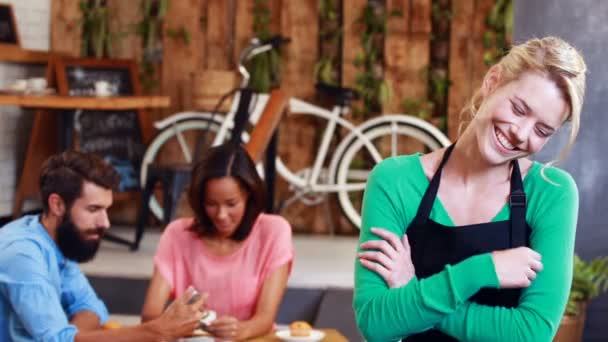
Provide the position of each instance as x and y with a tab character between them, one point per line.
433	108
180	33
327	68
499	30
265	68
370	84
150	30
96	37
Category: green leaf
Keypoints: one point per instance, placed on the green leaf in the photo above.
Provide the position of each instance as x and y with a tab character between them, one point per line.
384	94
163	8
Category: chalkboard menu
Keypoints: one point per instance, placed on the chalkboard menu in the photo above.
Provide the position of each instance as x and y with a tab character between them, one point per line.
115	135
8	26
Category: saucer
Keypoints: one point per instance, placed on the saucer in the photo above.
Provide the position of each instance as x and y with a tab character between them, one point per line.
285	335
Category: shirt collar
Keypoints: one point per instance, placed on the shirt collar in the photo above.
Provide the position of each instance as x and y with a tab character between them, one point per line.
36	224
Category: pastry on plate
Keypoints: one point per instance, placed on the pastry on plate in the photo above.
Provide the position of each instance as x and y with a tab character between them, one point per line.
300	329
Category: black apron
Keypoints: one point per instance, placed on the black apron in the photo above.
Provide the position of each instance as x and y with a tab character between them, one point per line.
434	245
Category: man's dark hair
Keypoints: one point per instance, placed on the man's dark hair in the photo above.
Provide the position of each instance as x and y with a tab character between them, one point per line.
228	160
64	174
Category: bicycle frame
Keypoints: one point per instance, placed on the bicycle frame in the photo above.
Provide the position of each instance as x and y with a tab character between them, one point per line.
334	119
296	107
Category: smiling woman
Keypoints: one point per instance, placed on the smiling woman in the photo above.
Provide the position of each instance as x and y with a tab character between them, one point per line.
475	242
230	250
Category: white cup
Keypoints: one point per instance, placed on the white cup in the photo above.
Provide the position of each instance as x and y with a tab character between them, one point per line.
19	85
36	84
103	88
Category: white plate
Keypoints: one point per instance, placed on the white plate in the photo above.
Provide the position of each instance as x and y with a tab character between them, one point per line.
196	339
285	335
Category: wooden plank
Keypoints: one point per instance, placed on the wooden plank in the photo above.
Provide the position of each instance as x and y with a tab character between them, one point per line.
12	53
243	30
299	21
275	7
420	16
406	52
482	9
66	32
220	32
81	102
180	58
351	42
123	15
461	64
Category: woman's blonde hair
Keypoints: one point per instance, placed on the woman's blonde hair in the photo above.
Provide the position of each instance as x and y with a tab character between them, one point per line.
549	56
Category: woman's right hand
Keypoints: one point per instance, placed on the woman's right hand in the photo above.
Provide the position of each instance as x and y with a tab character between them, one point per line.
516	267
183	316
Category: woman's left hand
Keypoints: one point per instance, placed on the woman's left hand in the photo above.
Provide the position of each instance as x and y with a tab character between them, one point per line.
226	327
392	260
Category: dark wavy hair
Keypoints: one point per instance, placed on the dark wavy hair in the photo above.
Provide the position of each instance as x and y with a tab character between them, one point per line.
227	160
65	173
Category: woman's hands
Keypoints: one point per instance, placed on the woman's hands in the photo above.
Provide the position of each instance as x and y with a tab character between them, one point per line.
226	327
392	260
516	267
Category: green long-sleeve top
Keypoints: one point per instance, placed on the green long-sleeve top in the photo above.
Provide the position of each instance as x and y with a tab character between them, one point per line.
393	193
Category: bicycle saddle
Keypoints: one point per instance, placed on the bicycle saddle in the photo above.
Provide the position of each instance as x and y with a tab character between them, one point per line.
341	95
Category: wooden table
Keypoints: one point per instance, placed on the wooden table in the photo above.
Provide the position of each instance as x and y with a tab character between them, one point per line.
82	102
44	139
331	335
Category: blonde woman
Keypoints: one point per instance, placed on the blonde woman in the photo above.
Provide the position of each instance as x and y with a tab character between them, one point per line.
475	242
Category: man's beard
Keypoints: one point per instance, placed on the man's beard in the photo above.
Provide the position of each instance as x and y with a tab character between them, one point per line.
71	241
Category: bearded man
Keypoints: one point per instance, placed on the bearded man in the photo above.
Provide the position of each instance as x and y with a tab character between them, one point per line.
43	294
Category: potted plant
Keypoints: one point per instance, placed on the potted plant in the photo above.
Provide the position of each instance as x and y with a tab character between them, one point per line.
590	279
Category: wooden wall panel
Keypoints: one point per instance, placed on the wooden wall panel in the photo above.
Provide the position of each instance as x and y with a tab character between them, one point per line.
351	44
220	34
220	29
65	27
406	51
299	21
275	7
123	16
461	63
466	56
482	9
179	58
243	31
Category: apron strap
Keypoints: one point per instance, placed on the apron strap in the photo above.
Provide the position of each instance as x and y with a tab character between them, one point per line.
518	204
426	204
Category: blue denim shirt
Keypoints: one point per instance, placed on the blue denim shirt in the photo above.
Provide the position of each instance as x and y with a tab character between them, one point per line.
40	290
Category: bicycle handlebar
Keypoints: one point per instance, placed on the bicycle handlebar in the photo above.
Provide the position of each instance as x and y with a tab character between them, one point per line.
276	41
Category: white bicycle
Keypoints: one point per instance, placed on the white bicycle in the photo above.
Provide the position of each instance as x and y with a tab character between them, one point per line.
344	172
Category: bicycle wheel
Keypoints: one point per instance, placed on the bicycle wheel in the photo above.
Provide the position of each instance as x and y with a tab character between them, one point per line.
389	136
176	144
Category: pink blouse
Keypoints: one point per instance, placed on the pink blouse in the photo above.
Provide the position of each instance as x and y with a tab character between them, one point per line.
234	282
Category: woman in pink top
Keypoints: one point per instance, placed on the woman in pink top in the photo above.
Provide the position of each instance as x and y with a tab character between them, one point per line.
230	250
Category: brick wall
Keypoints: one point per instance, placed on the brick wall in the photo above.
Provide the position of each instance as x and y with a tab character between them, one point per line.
33	25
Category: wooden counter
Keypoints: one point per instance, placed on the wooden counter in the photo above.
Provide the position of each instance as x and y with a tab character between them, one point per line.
82	102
